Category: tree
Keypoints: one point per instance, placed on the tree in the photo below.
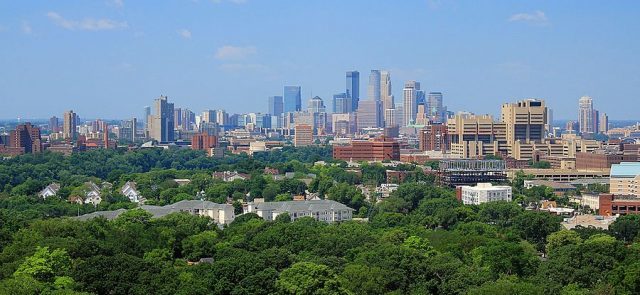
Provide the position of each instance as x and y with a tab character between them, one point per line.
200	245
45	265
626	227
308	278
562	238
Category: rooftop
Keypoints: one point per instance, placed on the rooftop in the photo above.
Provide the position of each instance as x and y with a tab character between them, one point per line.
309	205
625	169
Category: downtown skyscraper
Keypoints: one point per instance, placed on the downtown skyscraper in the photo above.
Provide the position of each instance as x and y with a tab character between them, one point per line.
69	125
587	115
373	89
409	102
276	106
387	104
161	126
353	89
292	96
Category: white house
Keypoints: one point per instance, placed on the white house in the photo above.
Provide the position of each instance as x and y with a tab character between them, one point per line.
129	190
483	193
229	176
321	210
50	190
92	195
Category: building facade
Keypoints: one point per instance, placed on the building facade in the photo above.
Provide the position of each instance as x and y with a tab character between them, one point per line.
353	89
379	149
483	193
292	99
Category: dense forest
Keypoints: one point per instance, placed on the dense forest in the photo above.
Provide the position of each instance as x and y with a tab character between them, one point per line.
420	240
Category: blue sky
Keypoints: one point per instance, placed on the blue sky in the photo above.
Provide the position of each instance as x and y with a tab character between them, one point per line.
108	59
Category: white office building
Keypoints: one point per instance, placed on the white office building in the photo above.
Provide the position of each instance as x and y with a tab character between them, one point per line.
483	193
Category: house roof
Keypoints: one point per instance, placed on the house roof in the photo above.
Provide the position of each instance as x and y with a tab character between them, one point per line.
160	211
625	169
309	205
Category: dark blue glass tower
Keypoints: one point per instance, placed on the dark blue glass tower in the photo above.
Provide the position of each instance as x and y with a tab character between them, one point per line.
353	88
292	99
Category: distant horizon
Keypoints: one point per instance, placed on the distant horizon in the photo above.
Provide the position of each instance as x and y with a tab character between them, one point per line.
107	58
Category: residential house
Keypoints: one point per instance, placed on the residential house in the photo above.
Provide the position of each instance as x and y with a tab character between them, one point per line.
229	176
129	190
51	190
322	210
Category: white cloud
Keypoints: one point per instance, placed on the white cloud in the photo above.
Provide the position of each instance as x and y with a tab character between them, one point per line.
536	17
26	28
88	24
229	52
184	33
116	3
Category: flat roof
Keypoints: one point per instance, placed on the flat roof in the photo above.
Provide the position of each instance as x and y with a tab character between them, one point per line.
625	169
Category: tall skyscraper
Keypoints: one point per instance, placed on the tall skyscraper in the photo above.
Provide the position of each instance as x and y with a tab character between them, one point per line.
342	104
586	119
353	89
147	113
276	107
436	110
69	125
54	124
127	130
161	127
177	119
385	90
604	123
410	105
222	117
373	90
292	97
316	105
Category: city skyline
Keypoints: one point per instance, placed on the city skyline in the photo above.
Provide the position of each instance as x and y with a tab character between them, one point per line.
107	62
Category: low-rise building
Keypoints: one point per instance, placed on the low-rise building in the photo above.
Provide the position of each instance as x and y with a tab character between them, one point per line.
380	149
49	191
610	204
321	210
229	176
483	193
129	190
219	213
559	188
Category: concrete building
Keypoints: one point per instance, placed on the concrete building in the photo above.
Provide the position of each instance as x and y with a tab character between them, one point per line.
379	149
587	116
625	179
303	135
369	114
162	121
409	99
321	210
69	125
203	142
276	105
373	89
601	159
483	193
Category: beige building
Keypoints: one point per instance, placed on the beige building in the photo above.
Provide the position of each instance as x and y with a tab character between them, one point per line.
625	179
519	134
303	135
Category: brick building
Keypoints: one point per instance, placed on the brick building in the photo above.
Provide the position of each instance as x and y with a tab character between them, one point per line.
601	160
203	141
379	149
434	138
617	204
27	137
303	135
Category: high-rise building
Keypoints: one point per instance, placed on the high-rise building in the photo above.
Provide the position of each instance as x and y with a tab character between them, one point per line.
161	121
54	124
436	110
373	90
127	130
353	89
292	98
549	127
177	119
387	98
342	103
525	121
147	114
391	118
433	137
26	137
276	107
303	135
369	114
222	117
604	123
586	119
203	141
410	106
316	105
69	125
208	116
